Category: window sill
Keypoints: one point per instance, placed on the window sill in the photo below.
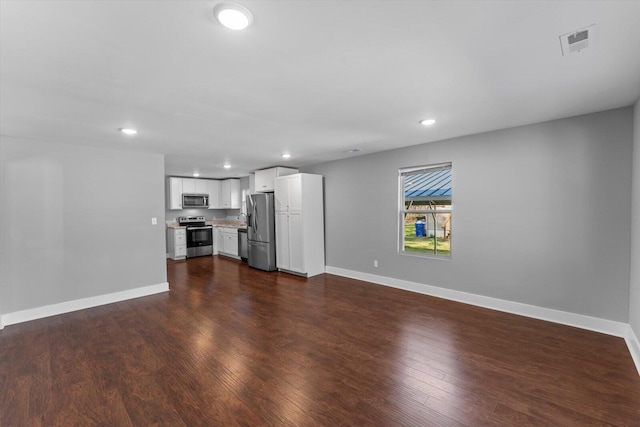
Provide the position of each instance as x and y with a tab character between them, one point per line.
428	256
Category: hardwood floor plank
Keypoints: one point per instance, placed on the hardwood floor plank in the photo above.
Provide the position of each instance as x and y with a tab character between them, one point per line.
230	345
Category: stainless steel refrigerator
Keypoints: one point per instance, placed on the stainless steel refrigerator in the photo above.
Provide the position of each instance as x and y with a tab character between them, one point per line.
261	230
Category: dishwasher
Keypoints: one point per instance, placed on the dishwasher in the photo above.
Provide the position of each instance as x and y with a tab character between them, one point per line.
242	243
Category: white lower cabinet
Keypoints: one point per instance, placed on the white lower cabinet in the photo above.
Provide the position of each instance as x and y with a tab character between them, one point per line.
228	243
177	243
290	242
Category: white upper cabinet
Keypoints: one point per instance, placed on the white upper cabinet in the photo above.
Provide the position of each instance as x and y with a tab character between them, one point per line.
221	195
265	178
202	186
174	193
288	193
188	185
213	189
230	194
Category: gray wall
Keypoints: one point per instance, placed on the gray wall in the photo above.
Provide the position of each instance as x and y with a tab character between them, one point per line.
634	294
541	214
76	222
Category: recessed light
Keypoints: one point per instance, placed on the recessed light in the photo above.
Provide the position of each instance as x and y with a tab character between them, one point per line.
227	166
196	174
233	16
355	150
128	131
427	122
286	156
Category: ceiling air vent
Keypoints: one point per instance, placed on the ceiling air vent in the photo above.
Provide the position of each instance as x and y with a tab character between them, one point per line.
578	40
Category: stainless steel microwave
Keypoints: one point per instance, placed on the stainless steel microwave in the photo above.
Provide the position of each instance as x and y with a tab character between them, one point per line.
195	201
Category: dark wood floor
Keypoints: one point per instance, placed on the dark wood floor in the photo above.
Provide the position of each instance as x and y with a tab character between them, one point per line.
229	345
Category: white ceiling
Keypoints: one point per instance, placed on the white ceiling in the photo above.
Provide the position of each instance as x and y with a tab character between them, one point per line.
315	78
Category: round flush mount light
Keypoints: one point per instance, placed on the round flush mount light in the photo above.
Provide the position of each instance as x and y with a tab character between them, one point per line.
285	155
227	166
233	16
196	174
128	131
427	122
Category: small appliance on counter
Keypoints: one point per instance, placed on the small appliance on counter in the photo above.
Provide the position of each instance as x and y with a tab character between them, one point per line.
199	236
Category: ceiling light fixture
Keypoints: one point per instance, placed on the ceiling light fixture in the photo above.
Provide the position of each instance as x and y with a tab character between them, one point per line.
127	131
355	150
196	174
233	16
227	166
286	155
427	122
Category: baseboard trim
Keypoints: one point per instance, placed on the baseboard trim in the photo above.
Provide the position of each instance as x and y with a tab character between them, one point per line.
634	346
80	304
604	326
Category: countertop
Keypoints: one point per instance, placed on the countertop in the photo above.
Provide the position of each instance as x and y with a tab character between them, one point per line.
226	223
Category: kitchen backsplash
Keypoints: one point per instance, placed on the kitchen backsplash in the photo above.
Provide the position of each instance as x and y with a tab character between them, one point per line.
210	214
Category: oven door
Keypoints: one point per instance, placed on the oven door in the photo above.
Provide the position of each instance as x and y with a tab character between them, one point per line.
199	236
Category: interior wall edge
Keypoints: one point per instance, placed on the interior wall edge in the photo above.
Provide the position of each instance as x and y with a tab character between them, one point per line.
605	326
634	346
80	304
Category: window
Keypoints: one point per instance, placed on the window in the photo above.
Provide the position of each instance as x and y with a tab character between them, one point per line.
425	210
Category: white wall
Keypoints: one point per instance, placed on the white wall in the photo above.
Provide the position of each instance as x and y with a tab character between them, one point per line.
76	222
634	294
542	214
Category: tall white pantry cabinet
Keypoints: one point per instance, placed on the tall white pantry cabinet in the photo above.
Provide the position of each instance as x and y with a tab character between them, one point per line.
299	224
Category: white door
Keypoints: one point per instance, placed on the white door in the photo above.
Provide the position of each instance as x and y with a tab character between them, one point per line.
296	243
282	240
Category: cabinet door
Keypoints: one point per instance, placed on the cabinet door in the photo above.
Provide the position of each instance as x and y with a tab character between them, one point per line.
220	240
264	180
233	243
181	250
230	194
188	185
282	240
225	194
214	193
296	243
281	194
202	186
234	189
294	201
174	193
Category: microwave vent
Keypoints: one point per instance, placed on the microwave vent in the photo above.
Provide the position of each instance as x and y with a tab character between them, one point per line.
578	40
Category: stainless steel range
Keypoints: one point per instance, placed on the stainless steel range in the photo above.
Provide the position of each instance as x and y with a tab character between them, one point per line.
199	236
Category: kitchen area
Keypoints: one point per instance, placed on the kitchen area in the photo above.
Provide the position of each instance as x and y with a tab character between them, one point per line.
272	219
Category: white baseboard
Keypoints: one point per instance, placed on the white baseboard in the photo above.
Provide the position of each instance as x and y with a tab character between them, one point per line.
79	304
634	347
604	326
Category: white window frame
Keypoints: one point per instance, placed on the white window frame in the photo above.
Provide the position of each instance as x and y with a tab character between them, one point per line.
402	173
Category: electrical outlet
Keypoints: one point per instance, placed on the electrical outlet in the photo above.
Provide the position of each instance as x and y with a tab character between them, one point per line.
375	263
154	221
